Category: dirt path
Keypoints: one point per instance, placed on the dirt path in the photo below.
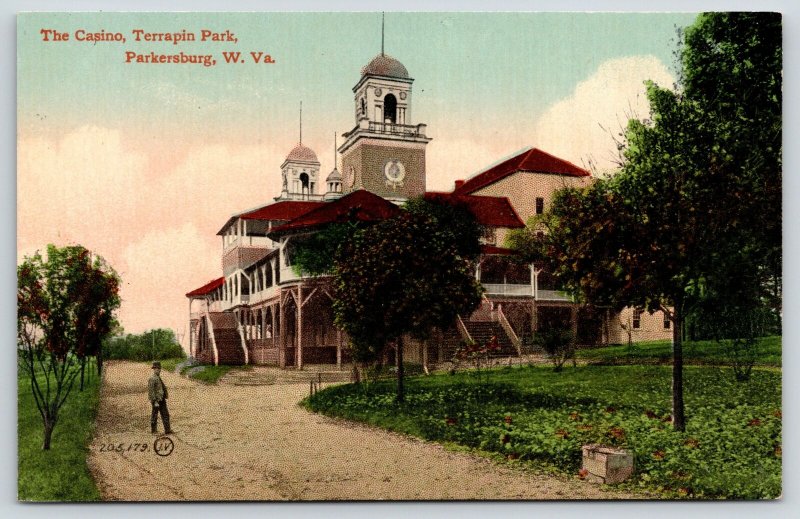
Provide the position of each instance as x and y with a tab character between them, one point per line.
256	443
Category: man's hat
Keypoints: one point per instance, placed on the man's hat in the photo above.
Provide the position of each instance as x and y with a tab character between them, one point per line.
156	364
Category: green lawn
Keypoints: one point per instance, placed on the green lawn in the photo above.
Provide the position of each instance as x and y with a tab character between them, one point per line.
732	446
768	353
209	374
212	374
59	474
171	364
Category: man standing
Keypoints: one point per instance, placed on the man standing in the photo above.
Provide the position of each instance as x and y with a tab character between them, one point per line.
157	392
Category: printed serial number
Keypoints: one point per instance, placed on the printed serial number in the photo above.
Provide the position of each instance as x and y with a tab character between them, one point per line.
124	447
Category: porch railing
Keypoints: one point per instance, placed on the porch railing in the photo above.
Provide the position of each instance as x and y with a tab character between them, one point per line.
462	329
515	340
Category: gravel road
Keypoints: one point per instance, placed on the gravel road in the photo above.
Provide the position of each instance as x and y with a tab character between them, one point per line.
238	442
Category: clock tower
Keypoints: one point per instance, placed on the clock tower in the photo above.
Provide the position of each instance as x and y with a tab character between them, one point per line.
384	153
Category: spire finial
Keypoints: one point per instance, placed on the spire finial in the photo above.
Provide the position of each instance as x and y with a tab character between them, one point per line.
383	15
301	122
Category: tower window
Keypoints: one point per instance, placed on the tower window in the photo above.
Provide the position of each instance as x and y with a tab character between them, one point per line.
390	108
304	181
539	205
637	318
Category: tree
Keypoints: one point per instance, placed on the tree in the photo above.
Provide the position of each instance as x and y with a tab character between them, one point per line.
65	307
732	68
404	275
679	220
314	254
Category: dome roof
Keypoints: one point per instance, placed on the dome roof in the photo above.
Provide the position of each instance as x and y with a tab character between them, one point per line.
385	65
334	176
302	153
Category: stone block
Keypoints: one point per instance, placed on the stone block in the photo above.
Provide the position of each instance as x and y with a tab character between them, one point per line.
607	465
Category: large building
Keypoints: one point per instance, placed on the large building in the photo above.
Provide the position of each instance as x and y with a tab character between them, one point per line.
260	311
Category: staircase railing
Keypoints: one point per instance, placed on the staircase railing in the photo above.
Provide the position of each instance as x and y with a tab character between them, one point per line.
243	341
210	328
515	340
462	330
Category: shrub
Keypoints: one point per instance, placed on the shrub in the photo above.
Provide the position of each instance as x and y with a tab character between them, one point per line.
157	344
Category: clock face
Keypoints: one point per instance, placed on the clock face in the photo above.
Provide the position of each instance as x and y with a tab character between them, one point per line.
352	176
395	172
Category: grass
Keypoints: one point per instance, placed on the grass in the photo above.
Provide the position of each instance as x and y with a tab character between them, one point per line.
60	474
531	415
209	374
212	374
768	353
171	364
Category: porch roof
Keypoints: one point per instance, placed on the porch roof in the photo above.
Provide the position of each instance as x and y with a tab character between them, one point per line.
207	288
359	205
283	211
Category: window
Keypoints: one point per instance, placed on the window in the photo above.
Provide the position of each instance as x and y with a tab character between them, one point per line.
539	235
539	205
637	318
390	109
667	322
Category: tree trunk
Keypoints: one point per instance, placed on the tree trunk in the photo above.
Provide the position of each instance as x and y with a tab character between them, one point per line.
83	371
48	434
100	362
399	357
678	416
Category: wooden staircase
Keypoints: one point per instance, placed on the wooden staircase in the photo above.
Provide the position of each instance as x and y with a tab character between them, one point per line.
483	331
229	342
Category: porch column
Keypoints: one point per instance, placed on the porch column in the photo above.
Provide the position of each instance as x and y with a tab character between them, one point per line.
282	344
533	279
573	321
299	326
273	332
338	349
190	328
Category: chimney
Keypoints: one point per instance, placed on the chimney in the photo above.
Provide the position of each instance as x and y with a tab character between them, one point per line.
459	183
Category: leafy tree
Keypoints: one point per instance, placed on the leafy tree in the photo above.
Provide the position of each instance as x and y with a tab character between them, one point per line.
683	215
732	69
314	254
65	307
404	275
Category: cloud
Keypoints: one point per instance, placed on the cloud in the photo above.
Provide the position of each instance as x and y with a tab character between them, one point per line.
577	128
96	187
157	268
451	159
82	188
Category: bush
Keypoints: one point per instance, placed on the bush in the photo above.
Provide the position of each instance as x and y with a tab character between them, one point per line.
157	344
558	344
732	447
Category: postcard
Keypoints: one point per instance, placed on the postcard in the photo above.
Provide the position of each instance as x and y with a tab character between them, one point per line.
399	256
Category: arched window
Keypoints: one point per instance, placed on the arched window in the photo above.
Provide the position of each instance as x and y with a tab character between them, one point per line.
304	183
390	108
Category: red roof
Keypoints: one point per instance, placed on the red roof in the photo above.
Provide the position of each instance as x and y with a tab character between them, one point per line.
207	288
498	251
533	159
491	211
359	205
280	211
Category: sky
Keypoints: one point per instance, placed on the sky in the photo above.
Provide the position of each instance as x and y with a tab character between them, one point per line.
143	163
